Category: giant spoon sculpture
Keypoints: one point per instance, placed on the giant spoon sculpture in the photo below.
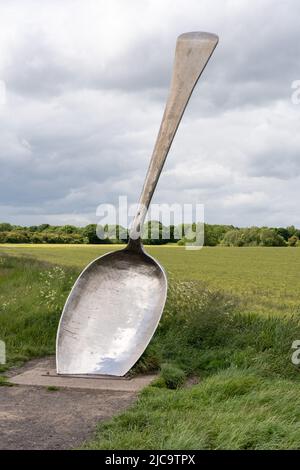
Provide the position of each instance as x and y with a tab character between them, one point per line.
116	303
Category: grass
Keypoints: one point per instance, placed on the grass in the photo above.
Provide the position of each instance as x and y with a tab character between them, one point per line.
234	330
249	391
203	331
52	388
233	409
4	382
32	295
171	376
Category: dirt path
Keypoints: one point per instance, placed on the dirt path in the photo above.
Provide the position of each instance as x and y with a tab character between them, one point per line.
36	418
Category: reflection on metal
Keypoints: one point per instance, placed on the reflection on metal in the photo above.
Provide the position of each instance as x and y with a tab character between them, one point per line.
116	303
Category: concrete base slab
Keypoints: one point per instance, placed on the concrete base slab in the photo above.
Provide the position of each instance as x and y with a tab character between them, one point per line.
44	374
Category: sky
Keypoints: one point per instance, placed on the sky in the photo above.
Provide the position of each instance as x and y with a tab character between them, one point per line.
83	89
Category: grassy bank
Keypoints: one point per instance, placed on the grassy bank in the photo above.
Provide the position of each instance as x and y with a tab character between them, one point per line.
248	396
232	409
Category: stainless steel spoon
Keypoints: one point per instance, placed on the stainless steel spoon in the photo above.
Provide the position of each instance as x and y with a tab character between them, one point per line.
116	303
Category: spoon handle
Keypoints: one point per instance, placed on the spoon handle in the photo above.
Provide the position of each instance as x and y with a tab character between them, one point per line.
193	50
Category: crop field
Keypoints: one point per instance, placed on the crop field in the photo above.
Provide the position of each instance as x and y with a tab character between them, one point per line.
222	349
267	279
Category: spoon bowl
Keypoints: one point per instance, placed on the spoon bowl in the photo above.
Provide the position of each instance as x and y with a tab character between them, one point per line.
111	314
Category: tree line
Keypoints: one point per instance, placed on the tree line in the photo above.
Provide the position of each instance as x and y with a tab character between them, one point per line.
154	233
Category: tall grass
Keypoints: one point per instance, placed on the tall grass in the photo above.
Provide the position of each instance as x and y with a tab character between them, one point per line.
204	331
32	295
249	391
231	409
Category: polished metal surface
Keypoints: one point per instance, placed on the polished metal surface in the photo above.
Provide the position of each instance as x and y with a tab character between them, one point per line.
111	314
116	303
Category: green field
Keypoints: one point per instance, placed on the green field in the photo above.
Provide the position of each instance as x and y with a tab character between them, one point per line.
230	319
267	278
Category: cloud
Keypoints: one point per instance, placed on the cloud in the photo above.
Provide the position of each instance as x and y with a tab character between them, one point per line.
86	86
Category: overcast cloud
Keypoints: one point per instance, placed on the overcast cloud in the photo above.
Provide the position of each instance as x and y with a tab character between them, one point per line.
86	84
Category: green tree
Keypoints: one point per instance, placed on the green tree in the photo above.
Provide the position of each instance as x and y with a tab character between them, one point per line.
17	237
154	233
5	227
68	229
42	227
90	232
33	228
233	238
293	241
269	237
292	230
283	232
213	234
